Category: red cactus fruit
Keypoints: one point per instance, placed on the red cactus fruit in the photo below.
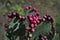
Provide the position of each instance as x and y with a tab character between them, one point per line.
17	15
32	25
20	17
29	35
23	18
35	18
26	8
45	38
44	19
30	7
37	13
9	19
45	16
27	27
51	20
14	13
31	30
35	10
35	25
31	15
40	37
34	22
51	33
31	19
6	25
53	27
40	19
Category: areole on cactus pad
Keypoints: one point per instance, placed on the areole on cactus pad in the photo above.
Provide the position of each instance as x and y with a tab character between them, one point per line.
31	26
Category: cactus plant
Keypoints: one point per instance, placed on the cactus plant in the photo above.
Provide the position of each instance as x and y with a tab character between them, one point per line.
31	26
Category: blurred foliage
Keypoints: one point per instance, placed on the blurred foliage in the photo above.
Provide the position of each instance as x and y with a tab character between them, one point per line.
11	5
19	9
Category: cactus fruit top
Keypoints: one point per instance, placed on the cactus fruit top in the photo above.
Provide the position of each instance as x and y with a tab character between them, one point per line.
6	25
31	26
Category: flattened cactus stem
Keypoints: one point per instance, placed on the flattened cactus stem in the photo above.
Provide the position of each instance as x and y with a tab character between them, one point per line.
30	26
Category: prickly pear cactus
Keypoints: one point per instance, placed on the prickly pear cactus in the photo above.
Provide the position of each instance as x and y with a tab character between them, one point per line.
31	26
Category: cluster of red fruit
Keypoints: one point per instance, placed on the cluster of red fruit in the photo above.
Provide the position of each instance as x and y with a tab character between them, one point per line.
35	19
48	18
13	14
34	9
41	37
45	17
